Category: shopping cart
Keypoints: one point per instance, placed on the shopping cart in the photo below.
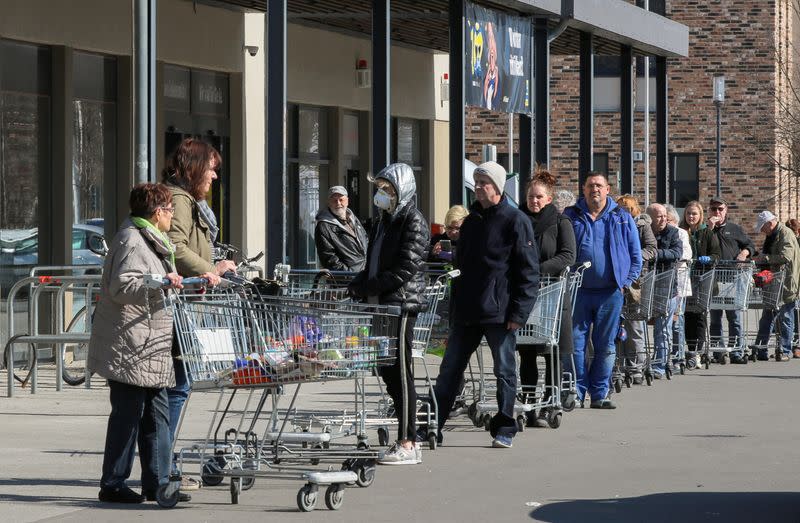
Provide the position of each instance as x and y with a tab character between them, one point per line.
638	306
766	295
241	340
664	293
733	282
702	280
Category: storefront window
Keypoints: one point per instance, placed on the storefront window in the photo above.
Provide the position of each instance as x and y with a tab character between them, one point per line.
24	154
94	136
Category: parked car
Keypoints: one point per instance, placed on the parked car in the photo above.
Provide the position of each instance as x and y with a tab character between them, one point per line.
19	252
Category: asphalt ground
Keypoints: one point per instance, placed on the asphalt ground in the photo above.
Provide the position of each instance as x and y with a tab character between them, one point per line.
714	445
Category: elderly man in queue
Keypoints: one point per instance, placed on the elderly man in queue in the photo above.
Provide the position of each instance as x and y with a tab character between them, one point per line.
781	251
493	297
607	237
735	246
669	251
340	238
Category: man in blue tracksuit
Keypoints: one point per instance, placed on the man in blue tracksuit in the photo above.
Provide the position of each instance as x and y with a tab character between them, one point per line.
499	263
607	237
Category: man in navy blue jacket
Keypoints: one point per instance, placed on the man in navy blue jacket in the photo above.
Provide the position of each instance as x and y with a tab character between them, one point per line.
493	297
606	236
670	250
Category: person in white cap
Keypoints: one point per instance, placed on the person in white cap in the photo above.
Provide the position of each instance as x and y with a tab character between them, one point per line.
780	249
499	263
340	238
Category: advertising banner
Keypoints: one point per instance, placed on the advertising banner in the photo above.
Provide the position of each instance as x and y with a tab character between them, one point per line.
497	61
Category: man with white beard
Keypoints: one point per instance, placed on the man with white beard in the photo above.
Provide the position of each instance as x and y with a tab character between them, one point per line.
340	238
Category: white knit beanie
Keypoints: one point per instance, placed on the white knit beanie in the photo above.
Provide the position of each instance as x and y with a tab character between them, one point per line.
493	170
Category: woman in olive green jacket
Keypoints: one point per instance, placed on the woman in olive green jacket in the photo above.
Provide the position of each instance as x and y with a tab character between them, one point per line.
188	174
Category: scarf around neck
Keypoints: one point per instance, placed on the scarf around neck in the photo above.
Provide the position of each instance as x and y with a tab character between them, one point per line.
209	218
158	239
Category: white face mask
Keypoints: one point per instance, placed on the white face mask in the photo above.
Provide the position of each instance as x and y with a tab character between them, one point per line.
382	200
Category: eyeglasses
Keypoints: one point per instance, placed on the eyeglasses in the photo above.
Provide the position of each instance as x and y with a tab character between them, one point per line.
453	228
170	210
716	208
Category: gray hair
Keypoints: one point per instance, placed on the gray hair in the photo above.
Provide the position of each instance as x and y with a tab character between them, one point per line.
563	199
672	213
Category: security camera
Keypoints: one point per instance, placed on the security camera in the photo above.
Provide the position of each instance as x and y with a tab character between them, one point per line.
252	49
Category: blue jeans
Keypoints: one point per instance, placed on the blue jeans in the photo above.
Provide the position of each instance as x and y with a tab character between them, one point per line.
597	310
662	334
735	340
138	414
786	326
679	334
177	397
462	342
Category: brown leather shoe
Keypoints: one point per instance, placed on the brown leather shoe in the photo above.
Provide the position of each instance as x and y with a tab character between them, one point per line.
796	354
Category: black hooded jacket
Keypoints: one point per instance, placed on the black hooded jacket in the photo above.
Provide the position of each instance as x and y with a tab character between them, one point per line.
399	279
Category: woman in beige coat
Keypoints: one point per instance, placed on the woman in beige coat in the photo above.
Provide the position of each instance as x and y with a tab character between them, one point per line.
188	174
131	346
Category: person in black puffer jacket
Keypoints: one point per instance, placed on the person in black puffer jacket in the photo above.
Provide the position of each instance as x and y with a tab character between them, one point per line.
393	275
556	241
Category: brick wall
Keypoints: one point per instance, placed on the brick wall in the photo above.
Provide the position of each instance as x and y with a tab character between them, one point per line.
731	37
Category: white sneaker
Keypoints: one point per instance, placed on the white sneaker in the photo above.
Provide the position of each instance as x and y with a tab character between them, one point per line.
399	455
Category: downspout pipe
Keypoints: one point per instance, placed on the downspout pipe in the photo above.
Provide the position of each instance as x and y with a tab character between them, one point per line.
567	14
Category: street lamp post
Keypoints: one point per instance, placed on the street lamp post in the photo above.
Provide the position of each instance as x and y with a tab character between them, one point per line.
719	98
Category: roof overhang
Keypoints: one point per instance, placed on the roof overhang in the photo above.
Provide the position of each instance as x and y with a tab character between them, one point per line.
424	25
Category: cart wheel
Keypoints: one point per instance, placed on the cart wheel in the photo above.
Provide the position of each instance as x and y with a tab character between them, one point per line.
315	461
683	368
383	436
744	360
617	386
236	489
165	501
628	381
568	403
362	445
691	363
366	474
334	496
432	441
487	422
648	378
668	372
307	498
211	471
752	356
723	360
248	482
472	412
520	423
554	419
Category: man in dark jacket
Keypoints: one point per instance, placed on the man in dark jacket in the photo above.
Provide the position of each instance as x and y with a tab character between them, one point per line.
494	296
393	276
607	237
341	240
735	245
669	250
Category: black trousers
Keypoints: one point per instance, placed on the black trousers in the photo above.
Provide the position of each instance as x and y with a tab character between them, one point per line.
402	370
138	415
695	328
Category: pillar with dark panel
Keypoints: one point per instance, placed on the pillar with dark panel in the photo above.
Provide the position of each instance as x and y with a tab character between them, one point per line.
541	106
457	101
586	107
526	124
276	134
381	96
626	120
662	135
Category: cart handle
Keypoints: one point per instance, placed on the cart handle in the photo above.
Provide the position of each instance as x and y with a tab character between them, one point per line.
158	281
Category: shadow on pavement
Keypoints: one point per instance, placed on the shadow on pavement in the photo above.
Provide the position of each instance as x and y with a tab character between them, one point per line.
31	482
759	376
685	507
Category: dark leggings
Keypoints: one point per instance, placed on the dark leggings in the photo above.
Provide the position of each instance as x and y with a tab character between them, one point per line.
529	367
695	328
393	377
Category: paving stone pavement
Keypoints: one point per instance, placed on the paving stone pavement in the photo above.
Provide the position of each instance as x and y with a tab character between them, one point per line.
713	445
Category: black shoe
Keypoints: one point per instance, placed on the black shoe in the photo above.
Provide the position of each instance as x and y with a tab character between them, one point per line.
183	497
737	358
119	495
602	404
762	355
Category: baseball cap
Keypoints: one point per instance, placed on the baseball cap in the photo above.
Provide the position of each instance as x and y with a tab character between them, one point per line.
718	199
337	189
762	219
